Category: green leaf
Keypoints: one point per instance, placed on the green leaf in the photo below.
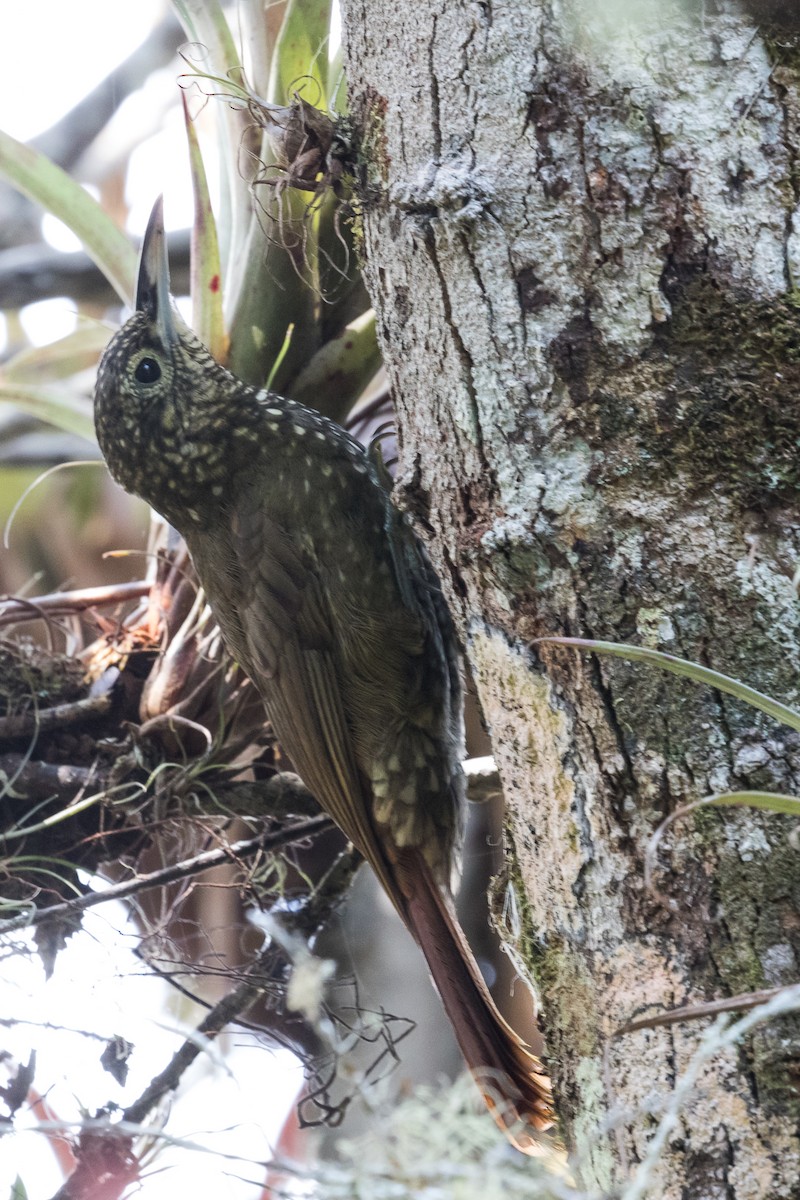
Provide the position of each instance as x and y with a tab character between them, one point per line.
341	369
18	1190
65	412
258	26
681	666
269	283
770	801
48	185
78	351
205	24
206	285
301	52
277	288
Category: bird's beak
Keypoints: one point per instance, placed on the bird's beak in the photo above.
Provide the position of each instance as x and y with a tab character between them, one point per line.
152	288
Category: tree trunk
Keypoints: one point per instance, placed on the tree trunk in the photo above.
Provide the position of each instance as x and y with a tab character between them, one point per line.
580	231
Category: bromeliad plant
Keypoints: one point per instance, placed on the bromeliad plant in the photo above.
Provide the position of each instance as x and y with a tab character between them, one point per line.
276	295
141	736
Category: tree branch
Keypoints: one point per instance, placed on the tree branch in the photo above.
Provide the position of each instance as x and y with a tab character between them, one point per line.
15	609
180	870
36	272
225	1011
269	965
37	780
42	720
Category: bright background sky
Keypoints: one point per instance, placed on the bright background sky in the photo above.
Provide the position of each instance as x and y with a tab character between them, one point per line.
53	52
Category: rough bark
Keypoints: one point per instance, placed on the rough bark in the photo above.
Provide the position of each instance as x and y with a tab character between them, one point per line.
581	232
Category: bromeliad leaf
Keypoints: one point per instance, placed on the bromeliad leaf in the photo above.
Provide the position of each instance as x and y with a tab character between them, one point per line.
78	351
65	412
48	185
206	270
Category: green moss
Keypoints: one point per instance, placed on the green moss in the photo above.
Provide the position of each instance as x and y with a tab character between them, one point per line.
714	399
782	44
32	677
759	904
357	230
569	994
734	418
525	940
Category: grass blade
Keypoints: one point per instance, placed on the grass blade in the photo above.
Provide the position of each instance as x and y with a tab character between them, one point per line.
682	666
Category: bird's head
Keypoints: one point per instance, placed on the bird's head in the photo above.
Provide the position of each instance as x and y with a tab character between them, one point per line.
162	403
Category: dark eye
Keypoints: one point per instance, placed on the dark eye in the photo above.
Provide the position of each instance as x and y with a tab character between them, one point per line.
147	371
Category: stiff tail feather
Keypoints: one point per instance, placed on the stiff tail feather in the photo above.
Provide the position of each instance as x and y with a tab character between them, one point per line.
511	1078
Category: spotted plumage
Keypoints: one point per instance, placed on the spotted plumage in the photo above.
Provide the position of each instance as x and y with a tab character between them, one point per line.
327	599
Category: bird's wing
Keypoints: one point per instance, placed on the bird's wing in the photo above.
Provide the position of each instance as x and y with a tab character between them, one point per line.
275	618
274	614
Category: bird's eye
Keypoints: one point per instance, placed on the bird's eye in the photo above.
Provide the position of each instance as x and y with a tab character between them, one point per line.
147	371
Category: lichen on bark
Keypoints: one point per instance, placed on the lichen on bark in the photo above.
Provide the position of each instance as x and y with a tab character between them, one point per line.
583	261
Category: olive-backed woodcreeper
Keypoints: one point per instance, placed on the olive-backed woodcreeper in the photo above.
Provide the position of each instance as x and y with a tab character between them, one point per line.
328	601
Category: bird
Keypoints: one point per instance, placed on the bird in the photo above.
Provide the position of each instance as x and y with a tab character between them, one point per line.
328	601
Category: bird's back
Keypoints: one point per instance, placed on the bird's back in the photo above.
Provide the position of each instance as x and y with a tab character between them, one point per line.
330	604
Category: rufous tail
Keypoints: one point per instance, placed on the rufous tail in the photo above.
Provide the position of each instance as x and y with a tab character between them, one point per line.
511	1078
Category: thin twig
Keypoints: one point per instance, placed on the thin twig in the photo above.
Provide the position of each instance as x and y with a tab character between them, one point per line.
220	1016
711	1008
180	870
267	967
15	609
60	716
